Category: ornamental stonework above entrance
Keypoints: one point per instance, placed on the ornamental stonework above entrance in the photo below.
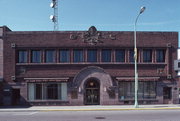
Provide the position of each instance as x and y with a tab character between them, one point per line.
92	36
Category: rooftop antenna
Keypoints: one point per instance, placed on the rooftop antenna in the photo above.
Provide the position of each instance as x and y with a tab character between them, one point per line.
54	17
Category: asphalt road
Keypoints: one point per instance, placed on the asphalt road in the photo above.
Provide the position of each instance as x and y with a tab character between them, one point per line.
129	115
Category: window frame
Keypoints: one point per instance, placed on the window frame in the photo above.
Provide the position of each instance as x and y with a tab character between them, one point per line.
92	53
37	59
24	56
146	57
122	55
53	56
131	56
104	57
61	57
160	58
78	57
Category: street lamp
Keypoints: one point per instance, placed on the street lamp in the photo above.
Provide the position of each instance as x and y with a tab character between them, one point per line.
135	59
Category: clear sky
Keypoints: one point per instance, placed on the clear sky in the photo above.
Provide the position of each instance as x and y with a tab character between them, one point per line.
106	15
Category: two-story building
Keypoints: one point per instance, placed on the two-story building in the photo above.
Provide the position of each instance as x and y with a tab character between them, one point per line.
86	67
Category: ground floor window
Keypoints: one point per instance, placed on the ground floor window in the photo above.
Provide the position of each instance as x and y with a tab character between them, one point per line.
146	90
47	91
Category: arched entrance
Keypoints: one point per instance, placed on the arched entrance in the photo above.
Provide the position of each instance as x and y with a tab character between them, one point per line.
92	92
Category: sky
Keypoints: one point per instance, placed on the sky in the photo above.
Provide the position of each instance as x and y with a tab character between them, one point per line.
105	15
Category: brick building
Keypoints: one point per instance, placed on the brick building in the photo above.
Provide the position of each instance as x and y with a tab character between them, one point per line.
86	67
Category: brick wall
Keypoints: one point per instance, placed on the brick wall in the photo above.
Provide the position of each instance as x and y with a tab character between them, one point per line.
62	40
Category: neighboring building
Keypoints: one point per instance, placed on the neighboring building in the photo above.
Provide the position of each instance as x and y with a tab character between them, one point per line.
1	64
87	67
177	68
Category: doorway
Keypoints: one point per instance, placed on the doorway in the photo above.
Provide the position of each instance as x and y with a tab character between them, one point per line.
167	95
92	93
15	97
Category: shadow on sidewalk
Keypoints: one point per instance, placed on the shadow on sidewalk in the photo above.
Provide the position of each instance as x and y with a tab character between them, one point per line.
14	107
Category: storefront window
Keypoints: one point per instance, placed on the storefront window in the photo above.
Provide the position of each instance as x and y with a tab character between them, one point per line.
146	90
52	91
38	91
47	91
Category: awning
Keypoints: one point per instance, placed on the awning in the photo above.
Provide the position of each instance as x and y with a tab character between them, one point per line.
46	79
139	78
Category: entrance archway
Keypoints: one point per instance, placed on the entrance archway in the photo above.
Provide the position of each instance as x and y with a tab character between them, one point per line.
92	92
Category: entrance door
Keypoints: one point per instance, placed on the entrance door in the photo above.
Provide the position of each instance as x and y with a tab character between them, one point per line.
15	96
91	96
167	95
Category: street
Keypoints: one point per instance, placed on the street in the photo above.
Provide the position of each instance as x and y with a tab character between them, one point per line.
126	115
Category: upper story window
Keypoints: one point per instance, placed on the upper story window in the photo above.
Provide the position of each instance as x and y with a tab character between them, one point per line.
147	55
36	56
120	55
50	56
91	55
78	55
131	55
22	56
160	55
106	55
64	56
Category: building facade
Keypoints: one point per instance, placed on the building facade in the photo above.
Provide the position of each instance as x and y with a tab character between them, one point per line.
86	67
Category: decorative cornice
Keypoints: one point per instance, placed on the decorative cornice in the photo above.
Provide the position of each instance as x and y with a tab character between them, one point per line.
92	36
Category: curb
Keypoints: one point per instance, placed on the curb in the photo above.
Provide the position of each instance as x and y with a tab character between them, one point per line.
112	109
120	109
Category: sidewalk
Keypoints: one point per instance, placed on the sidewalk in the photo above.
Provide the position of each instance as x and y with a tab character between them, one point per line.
90	108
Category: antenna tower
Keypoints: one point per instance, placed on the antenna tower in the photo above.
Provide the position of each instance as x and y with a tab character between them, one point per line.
54	17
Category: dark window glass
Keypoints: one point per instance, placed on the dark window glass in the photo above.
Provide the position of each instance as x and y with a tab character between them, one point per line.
147	55
78	56
120	56
36	56
91	55
178	64
167	93
140	90
160	56
38	91
131	55
126	90
22	56
50	56
106	55
47	91
52	91
64	56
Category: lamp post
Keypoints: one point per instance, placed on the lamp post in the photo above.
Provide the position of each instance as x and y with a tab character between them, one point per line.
135	59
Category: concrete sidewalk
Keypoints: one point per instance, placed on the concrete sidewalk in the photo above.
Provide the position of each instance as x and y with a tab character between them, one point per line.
89	108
